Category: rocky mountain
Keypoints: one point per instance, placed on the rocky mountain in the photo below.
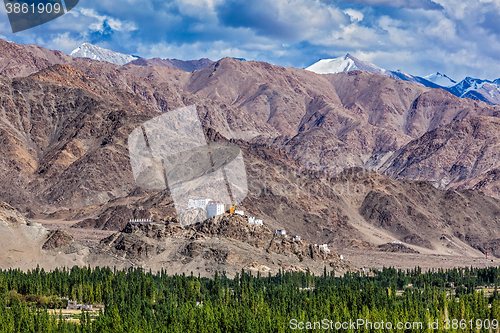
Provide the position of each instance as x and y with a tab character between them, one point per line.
345	64
184	65
22	60
87	50
64	151
476	89
48	146
349	63
356	207
483	90
360	114
225	243
441	79
462	154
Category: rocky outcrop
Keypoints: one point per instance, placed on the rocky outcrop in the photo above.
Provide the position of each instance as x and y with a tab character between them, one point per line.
226	240
396	247
58	240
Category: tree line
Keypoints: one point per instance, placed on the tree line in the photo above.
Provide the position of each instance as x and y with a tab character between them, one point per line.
136	300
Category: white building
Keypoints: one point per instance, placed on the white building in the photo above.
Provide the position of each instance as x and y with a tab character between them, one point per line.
140	221
281	232
296	237
239	212
253	221
214	209
198	203
325	247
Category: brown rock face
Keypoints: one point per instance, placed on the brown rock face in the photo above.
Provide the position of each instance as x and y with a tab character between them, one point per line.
226	240
63	133
187	66
463	154
395	247
57	240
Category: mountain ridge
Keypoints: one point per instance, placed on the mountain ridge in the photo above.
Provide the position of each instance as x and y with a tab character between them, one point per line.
477	89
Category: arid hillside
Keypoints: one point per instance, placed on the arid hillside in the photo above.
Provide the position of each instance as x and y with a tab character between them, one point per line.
309	142
462	154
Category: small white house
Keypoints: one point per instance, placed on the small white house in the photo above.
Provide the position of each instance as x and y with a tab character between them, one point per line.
296	237
324	247
239	212
253	221
214	209
281	232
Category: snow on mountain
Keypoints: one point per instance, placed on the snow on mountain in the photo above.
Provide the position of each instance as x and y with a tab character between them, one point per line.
441	79
87	50
484	90
344	64
350	63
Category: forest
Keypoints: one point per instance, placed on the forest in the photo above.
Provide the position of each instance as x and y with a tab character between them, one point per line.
137	300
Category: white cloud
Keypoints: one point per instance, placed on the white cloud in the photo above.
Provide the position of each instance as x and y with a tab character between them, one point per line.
113	23
356	16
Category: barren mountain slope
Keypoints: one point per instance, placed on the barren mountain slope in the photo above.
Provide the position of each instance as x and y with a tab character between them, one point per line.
22	60
463	154
359	113
187	66
358	208
21	240
159	87
275	94
401	106
64	140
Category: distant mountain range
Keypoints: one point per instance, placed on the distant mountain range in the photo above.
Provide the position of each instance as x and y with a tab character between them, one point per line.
312	144
477	89
87	50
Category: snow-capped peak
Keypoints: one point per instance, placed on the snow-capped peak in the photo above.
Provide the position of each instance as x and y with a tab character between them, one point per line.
343	64
441	79
87	50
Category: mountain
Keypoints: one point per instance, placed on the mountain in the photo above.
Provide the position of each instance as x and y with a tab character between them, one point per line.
187	66
87	50
483	90
459	155
442	80
344	64
22	60
64	152
476	89
350	63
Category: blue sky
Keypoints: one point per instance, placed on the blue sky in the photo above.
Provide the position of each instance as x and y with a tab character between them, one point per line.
459	38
